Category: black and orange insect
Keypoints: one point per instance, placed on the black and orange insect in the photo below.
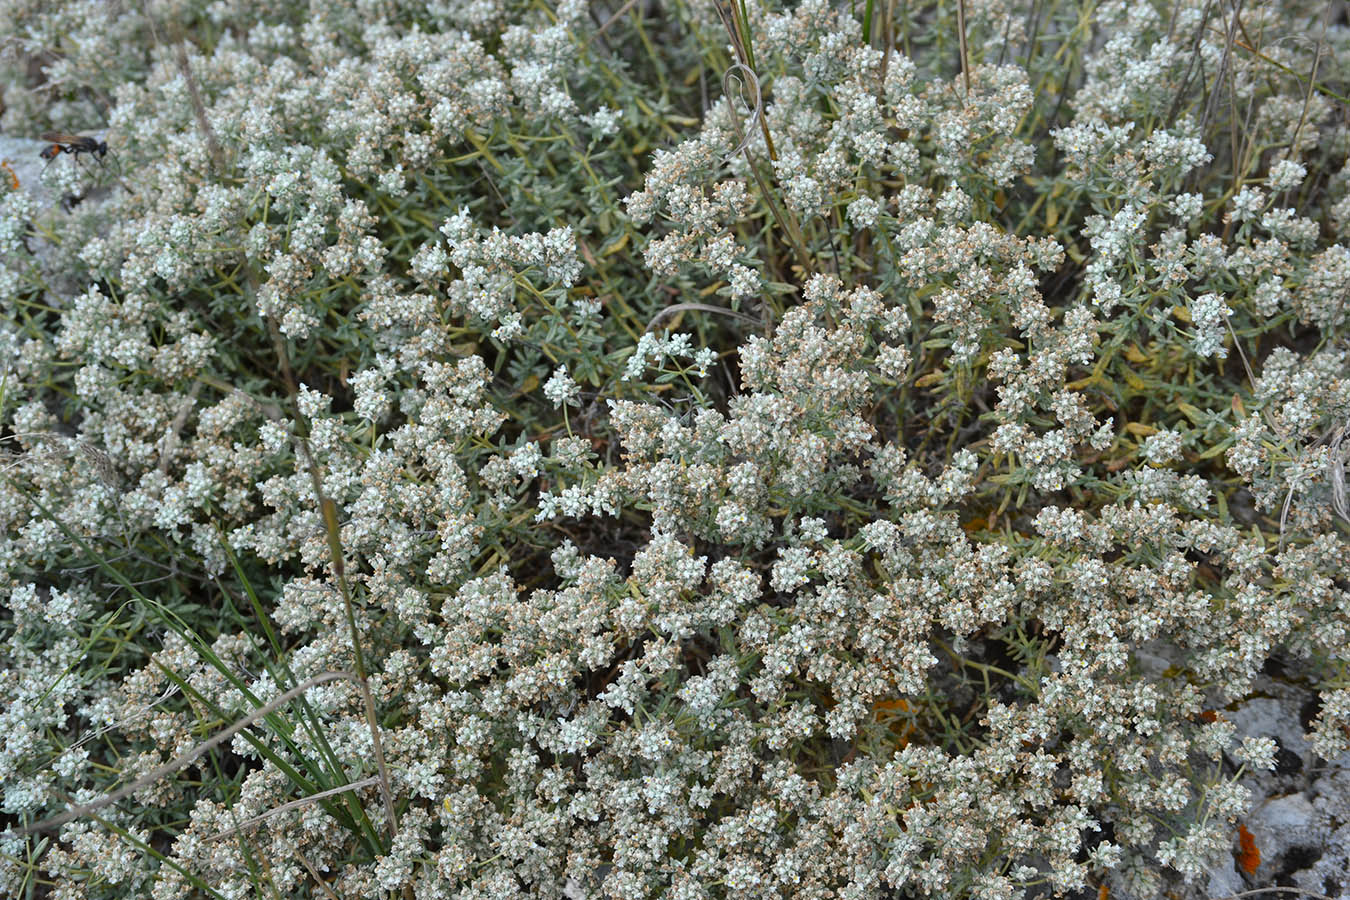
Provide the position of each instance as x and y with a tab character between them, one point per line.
10	175
60	142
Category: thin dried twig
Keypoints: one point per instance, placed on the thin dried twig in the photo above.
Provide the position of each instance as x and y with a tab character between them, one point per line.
733	32
1242	354
170	691
314	873
746	59
735	71
789	225
195	97
180	418
328	509
702	307
1336	459
1279	890
96	457
302	801
1312	80
181	762
618	14
1284	514
271	410
1190	67
1229	37
965	49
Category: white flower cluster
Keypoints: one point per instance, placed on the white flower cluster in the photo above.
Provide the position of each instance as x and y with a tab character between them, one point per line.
980	390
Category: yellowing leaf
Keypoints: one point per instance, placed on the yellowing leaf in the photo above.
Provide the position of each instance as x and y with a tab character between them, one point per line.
1135	381
1190	412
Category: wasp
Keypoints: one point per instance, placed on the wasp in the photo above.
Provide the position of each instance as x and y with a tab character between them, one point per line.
60	142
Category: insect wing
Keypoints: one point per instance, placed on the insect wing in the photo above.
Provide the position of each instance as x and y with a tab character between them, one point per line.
61	137
72	143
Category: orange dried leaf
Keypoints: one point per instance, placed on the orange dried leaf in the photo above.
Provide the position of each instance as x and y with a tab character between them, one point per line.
1249	856
901	729
899	703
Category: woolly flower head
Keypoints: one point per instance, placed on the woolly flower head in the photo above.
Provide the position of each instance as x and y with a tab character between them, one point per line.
562	389
1209	313
604	122
1162	447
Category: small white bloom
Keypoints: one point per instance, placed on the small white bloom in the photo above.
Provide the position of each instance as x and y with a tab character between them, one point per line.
1209	313
603	122
703	359
1187	206
562	389
1258	752
1162	447
863	212
1286	174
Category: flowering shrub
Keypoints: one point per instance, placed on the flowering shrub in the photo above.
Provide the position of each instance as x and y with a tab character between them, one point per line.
488	449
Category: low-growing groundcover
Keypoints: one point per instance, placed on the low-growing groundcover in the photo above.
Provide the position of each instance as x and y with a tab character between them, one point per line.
483	448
